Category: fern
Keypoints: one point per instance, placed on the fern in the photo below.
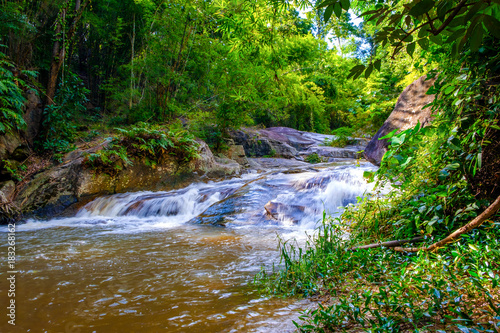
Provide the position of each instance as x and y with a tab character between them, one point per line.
11	98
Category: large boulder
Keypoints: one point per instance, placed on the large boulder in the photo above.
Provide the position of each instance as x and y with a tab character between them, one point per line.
409	110
52	191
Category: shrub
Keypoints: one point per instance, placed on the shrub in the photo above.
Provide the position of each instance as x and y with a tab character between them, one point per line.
11	97
313	158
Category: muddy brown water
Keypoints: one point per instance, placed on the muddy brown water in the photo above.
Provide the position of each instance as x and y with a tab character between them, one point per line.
178	261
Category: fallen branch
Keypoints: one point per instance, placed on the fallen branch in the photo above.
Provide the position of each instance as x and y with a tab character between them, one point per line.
490	211
393	243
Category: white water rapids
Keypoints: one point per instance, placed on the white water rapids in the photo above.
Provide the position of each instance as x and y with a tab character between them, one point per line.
163	262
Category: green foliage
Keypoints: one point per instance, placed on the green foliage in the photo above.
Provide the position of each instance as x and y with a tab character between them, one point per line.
461	25
144	142
110	160
59	121
11	98
342	139
15	169
313	158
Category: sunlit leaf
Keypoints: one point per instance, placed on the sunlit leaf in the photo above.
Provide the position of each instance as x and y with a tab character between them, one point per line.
345	4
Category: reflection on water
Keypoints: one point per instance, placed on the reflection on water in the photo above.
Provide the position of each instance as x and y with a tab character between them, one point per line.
142	262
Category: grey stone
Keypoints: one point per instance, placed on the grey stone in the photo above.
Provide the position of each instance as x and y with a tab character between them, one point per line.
8	144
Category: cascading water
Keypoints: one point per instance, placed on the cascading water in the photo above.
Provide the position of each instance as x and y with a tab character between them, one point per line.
154	262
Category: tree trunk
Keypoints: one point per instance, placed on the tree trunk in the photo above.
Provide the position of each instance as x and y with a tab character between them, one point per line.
57	59
58	51
132	42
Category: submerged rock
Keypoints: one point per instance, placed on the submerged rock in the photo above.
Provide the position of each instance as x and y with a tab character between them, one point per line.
280	211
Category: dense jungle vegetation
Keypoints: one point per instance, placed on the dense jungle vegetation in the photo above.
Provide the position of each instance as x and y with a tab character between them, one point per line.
201	68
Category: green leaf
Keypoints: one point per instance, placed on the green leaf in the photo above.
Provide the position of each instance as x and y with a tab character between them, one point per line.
456	35
377	64
473	11
328	13
493	25
453	166
408	20
448	90
421	8
436	39
345	4
442	8
356	71
368	71
390	135
476	38
410	48
326	3
337	9
423	32
424	43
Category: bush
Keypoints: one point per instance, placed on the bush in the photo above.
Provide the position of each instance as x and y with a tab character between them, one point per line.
313	158
343	137
11	97
59	126
380	290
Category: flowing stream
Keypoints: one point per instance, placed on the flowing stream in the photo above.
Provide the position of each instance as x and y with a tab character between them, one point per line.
176	261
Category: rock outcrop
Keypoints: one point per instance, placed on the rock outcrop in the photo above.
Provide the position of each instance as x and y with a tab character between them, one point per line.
290	143
409	110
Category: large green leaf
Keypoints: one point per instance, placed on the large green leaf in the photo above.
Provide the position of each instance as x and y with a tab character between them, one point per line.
337	9
476	38
493	25
421	8
328	13
345	4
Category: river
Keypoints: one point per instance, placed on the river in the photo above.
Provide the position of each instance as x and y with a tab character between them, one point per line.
177	261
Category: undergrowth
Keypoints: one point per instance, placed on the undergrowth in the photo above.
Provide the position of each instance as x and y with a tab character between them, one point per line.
149	143
380	290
